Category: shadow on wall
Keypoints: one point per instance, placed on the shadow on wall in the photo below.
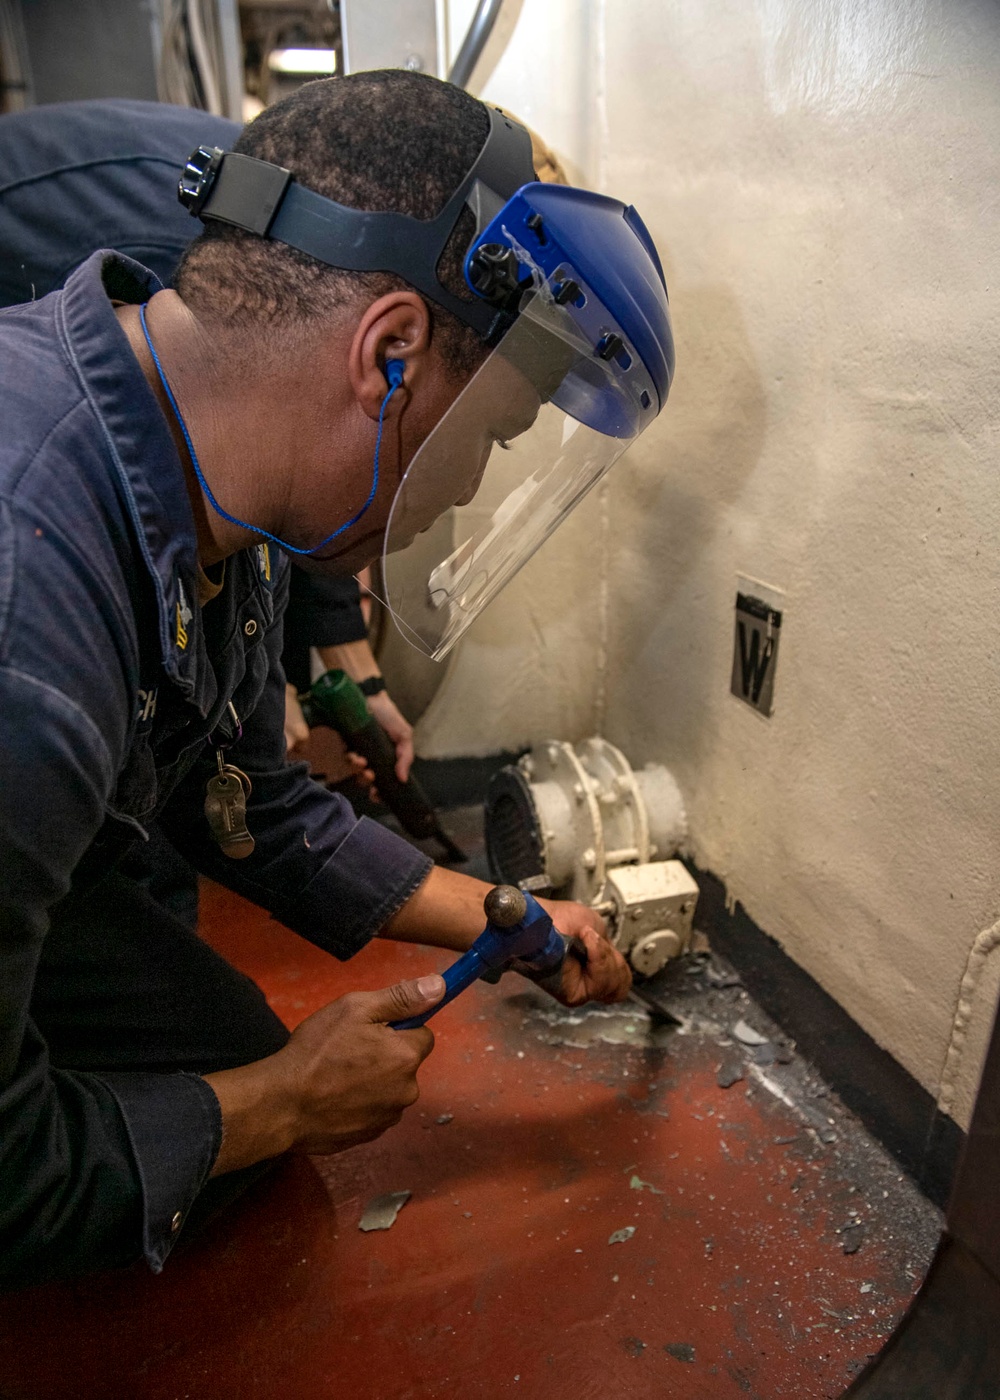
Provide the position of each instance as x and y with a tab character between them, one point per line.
670	502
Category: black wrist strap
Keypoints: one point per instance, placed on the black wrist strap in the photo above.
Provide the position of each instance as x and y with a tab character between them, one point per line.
372	685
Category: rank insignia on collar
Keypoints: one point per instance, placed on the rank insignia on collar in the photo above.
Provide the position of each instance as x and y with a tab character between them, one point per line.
264	562
184	616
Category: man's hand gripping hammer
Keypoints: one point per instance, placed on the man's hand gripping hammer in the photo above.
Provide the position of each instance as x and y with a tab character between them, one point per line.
518	934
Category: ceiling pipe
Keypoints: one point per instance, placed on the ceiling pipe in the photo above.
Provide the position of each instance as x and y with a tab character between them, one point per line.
474	42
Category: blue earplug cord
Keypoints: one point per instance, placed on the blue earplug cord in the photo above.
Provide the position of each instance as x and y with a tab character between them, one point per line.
394	371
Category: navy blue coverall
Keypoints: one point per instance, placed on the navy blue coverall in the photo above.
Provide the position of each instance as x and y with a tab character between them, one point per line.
115	688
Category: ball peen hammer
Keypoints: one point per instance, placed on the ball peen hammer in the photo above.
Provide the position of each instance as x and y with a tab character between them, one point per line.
519	935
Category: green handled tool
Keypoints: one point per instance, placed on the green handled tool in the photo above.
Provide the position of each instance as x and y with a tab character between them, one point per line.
335	701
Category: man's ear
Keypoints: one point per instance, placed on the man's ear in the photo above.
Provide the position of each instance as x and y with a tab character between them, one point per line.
395	327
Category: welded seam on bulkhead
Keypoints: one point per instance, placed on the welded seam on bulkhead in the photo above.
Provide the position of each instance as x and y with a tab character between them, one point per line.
982	946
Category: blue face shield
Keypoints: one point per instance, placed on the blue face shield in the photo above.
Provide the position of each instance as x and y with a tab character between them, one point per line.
582	370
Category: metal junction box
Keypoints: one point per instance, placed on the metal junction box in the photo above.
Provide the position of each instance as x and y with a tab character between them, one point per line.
654	909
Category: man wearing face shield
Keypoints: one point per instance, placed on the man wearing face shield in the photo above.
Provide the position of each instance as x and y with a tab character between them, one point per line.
376	264
79	176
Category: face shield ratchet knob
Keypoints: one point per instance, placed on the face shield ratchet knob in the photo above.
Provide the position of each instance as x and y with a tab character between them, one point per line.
198	177
494	272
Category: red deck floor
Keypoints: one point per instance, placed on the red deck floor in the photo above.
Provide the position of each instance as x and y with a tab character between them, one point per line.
498	1278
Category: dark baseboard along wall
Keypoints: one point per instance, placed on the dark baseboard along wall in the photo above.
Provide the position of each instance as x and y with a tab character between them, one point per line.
893	1106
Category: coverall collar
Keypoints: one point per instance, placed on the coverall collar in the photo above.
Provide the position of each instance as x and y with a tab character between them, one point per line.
145	457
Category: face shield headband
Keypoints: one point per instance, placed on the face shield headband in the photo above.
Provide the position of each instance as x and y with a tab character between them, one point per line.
265	199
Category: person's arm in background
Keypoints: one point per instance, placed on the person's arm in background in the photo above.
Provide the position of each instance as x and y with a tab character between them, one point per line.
358	660
326	613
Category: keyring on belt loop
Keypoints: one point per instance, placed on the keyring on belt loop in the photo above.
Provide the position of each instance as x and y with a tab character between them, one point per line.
228	743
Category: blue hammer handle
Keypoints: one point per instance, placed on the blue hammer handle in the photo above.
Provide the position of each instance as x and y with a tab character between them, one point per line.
531	940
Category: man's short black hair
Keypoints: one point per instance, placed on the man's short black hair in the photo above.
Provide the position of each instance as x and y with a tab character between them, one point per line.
383	140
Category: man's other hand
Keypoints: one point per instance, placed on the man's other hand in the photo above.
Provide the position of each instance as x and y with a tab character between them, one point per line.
399	730
606	976
343	1078
352	1074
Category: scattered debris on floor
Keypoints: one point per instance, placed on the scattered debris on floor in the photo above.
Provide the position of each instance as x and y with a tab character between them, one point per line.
698	997
851	1237
717	978
380	1212
585	1126
746	1034
730	1072
628	1024
704	1003
680	1351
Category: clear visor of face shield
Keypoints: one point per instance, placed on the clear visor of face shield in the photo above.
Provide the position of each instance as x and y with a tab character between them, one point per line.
530	434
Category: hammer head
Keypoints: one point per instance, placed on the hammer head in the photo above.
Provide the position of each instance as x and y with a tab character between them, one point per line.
519	929
505	906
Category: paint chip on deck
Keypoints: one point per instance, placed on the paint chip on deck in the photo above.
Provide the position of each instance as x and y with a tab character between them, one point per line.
746	1033
851	1238
730	1072
620	1236
680	1351
381	1211
637	1184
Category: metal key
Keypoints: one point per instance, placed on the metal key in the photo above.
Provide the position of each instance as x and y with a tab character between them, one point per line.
226	794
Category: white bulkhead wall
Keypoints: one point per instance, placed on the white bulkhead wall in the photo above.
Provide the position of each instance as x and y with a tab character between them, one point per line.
823	180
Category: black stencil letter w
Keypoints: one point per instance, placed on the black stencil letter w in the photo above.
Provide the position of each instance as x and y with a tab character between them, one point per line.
754	660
